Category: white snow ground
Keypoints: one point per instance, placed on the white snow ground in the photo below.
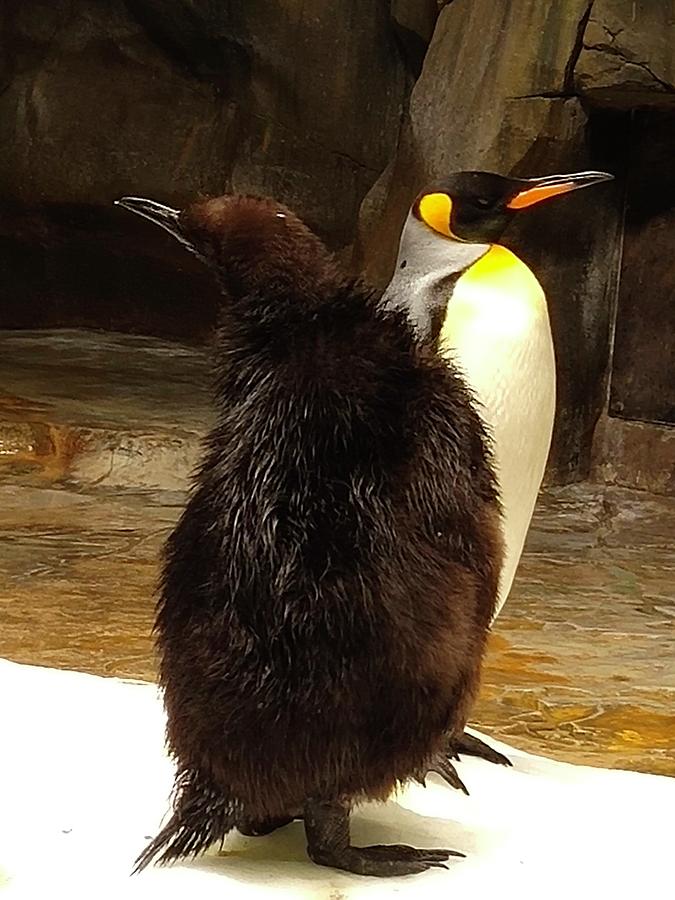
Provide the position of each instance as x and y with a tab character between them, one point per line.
84	779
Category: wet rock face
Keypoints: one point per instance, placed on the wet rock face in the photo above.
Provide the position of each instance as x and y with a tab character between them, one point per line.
169	98
643	372
178	97
627	57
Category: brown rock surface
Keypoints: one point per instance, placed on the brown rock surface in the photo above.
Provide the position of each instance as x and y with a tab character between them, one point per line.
417	16
166	99
414	22
627	57
101	409
643	363
635	454
181	97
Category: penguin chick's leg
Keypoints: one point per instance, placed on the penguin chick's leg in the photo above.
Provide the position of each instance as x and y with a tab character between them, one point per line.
472	746
327	830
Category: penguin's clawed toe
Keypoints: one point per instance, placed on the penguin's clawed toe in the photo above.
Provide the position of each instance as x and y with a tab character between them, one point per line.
327	830
384	860
442	766
473	746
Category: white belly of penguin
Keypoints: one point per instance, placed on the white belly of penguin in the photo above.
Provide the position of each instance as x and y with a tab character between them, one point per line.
503	345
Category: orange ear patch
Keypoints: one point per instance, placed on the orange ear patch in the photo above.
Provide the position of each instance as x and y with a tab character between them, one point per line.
435	210
536	194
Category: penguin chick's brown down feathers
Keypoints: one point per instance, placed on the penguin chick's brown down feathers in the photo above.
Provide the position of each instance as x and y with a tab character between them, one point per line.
326	594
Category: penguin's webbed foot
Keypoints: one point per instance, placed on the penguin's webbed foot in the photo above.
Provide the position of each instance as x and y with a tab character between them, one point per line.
472	746
327	830
383	860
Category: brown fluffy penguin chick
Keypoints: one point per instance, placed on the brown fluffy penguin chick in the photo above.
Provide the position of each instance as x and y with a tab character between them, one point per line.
326	594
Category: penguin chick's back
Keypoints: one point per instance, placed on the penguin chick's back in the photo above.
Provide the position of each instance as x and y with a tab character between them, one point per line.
327	591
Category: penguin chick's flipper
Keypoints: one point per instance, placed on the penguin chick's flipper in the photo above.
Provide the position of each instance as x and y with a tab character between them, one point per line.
472	746
252	828
327	830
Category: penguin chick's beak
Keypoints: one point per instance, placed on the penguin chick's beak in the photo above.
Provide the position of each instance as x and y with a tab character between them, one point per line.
164	216
537	189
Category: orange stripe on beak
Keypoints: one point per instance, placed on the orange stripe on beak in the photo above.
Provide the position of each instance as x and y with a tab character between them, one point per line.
536	194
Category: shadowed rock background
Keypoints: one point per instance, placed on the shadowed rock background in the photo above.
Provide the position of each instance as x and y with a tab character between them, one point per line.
343	111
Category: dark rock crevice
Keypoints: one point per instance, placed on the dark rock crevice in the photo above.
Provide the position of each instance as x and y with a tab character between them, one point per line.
577	47
546	95
609	48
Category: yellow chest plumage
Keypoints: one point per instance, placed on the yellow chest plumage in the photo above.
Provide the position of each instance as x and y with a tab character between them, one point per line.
498	293
497	330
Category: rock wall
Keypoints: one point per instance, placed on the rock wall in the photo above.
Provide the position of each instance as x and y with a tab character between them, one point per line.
168	98
627	55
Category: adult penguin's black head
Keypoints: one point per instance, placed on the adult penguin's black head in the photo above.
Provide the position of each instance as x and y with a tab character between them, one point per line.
476	207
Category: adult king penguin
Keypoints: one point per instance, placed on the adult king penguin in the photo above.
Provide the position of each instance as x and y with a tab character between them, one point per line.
485	310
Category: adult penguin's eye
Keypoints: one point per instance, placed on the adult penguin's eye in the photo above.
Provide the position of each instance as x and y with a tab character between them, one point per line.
483	202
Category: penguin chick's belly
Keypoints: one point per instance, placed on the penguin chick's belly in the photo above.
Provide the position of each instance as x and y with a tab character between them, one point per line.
355	736
497	330
343	706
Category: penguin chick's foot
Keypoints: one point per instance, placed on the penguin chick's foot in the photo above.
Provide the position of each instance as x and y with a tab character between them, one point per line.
473	746
327	830
252	828
442	766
